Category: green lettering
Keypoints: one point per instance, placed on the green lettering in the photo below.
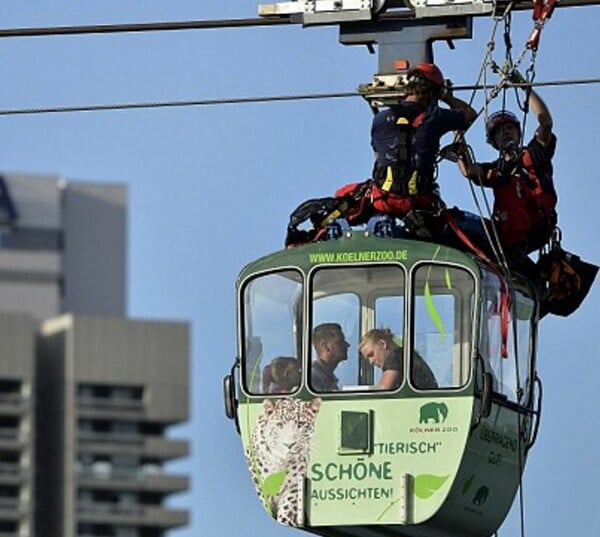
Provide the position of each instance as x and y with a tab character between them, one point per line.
360	471
345	469
317	475
387	470
375	470
331	476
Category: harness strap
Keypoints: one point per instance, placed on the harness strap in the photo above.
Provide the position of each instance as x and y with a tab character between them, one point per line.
389	180
404	128
419	119
504	315
540	196
537	189
449	219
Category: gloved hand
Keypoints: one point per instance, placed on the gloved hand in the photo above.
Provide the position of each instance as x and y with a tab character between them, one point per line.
516	77
445	91
454	151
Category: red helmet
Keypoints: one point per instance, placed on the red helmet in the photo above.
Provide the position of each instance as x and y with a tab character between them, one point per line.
431	72
501	117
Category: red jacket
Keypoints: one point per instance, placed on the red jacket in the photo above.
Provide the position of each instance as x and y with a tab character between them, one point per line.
524	195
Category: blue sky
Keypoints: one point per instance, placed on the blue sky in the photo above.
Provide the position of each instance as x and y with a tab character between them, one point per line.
211	188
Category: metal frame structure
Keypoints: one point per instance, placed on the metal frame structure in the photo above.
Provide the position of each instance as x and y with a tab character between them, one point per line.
404	30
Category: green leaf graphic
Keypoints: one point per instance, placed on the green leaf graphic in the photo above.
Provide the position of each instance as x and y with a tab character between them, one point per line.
426	485
433	313
448	279
272	484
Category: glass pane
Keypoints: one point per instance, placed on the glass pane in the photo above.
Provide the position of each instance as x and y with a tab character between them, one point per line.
389	313
509	380
272	333
524	310
348	301
336	327
443	314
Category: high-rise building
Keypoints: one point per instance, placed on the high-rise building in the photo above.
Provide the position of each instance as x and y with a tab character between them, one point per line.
87	396
17	425
122	384
62	247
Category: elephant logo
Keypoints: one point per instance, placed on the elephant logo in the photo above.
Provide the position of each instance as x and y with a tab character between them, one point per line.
433	411
481	495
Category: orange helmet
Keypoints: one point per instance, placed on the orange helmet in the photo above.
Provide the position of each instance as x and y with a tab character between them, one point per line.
430	72
495	120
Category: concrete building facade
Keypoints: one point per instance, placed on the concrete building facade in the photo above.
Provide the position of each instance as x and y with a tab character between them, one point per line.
87	396
17	424
62	247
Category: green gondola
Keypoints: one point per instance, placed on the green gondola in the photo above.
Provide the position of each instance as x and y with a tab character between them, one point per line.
417	460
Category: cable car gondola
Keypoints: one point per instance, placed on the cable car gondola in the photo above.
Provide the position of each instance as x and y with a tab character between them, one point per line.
413	461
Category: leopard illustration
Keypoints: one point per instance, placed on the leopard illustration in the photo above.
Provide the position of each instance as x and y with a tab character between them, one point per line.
278	455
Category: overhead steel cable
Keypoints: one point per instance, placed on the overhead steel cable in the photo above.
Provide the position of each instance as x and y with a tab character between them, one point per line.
393	14
173	104
239	100
152	26
140	27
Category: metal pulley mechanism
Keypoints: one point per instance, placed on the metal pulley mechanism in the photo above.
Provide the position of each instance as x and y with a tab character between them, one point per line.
444	8
311	12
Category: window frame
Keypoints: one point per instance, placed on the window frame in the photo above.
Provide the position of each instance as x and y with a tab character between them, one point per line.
244	326
467	310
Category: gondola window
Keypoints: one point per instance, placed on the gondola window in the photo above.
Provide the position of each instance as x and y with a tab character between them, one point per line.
272	324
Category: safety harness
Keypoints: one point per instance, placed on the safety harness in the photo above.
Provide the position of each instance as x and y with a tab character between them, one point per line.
401	177
544	202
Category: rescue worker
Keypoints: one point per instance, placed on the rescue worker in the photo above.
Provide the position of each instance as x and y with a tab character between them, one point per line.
406	139
521	177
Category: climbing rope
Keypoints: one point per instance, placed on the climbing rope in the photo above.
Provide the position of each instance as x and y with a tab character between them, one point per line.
542	12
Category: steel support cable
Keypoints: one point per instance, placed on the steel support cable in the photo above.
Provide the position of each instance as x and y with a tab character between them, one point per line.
142	27
171	26
402	14
493	238
174	104
527	87
489	49
494	242
509	67
507	18
240	100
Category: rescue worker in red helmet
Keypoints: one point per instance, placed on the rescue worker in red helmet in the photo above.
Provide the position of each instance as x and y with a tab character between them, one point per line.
406	139
522	180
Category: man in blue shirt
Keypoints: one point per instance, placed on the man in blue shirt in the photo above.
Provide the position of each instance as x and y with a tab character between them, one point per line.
406	139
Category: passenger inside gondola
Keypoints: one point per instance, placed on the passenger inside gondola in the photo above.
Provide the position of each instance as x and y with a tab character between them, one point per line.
381	350
331	348
282	375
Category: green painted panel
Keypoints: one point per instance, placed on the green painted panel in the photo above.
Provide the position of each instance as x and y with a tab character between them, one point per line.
423	438
489	476
358	247
290	443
